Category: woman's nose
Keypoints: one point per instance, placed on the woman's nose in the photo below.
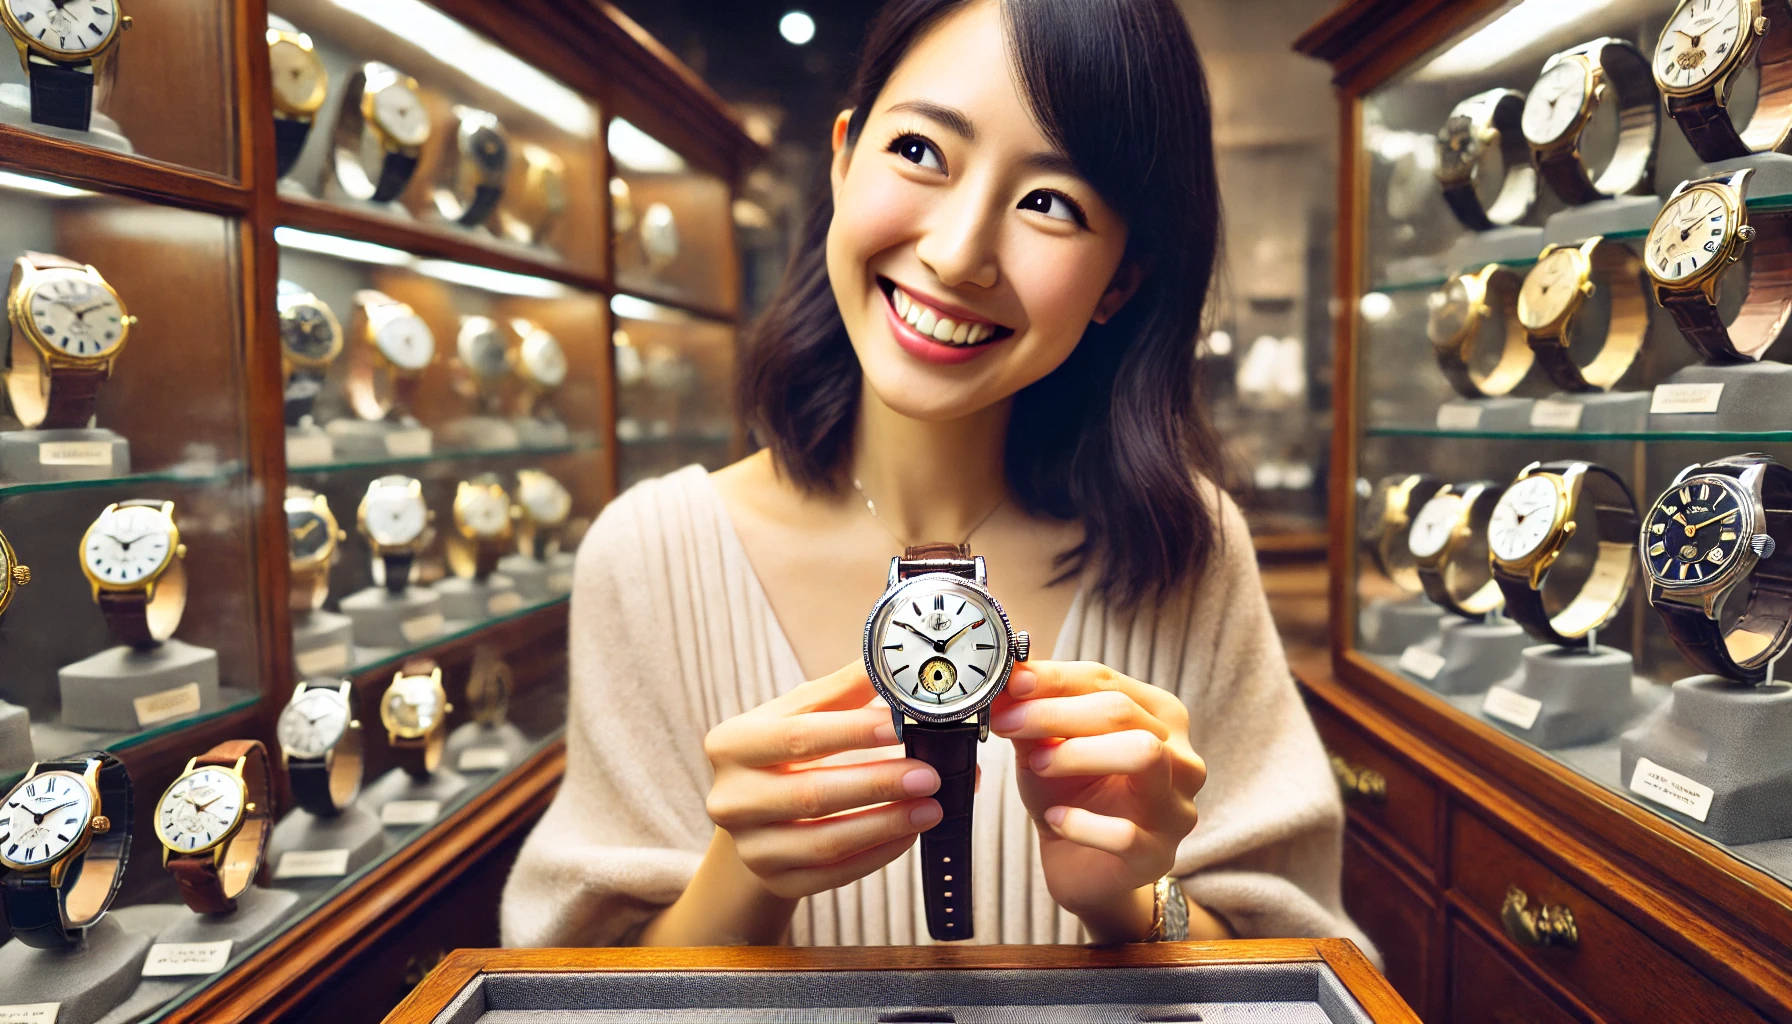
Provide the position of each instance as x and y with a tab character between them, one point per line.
958	243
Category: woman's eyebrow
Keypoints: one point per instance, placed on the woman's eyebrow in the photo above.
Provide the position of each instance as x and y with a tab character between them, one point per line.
952	120
1052	162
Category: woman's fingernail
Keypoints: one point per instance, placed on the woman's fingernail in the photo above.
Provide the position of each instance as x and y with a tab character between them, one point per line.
1022	682
885	732
1040	759
1054	816
926	814
920	782
1007	720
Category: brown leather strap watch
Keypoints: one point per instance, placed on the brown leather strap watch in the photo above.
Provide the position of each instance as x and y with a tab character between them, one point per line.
1562	103
67	327
1697	239
1702	48
415	712
1459	313
214	823
1553	296
1476	127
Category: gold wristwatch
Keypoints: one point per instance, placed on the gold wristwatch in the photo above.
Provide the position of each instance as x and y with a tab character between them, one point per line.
1386	520
489	686
310	340
314	542
1697	238
1556	290
530	214
482	356
12	574
1478	127
68	828
214	822
469	186
300	84
393	346
394	519
63	55
483	528
1448	540
380	132
415	712
540	364
133	558
1531	526
1561	105
1460	312
1703	49
68	326
543	504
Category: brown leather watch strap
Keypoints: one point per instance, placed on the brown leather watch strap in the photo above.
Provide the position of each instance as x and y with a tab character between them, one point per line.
143	622
1766	307
41	398
1631	169
1705	122
1462	582
471	559
1619	272
420	757
210	882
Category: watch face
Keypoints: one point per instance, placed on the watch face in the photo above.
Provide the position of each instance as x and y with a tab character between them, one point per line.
1695	531
483	348
127	545
1698	40
308	533
1554	102
312	723
200	809
1687	235
299	77
486	147
659	234
543	360
1432	527
394	513
413	704
308	332
407	341
77	315
1457	148
1522	517
401	113
1549	288
485	510
543	497
66	26
42	817
939	646
1449	311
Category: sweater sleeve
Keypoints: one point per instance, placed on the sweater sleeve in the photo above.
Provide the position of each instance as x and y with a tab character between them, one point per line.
627	828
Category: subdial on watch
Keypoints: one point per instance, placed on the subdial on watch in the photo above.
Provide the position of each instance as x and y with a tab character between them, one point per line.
938	675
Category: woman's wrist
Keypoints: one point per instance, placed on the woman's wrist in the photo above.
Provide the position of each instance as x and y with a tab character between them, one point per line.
724	905
1126	920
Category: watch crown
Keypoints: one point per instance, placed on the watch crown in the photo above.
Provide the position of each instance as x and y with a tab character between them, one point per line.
1746	232
100	823
1762	545
1023	645
21	575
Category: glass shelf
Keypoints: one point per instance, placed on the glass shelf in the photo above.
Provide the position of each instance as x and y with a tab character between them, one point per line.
373	659
1763	436
584	444
215	473
52	741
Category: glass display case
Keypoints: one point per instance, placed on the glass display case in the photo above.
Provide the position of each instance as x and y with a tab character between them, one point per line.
673	225
673	374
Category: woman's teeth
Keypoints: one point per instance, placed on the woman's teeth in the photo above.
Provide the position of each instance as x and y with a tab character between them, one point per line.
941	329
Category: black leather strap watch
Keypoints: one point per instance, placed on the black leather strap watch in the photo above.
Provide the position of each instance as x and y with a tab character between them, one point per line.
65	836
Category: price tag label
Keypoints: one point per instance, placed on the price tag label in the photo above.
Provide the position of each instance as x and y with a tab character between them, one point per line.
29	1013
1551	415
503	604
407	443
1672	399
483	759
74	453
153	708
410	812
180	959
559	582
312	864
1511	707
309	449
1456	416
1671	789
422	627
323	660
1418	661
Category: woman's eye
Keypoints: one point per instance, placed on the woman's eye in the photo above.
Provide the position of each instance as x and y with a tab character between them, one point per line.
1052	204
917	150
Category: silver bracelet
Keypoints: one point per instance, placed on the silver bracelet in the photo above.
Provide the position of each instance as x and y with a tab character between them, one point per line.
1169	912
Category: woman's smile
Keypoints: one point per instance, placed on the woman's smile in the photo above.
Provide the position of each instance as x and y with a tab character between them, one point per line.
938	332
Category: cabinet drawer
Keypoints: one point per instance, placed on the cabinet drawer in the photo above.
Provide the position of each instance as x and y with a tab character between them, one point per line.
1608	963
1379	786
1396	915
1485	988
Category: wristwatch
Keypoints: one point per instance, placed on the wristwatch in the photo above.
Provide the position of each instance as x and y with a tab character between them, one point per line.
659	236
544	504
489	686
1531	526
65	835
532	212
214	822
310	340
12	574
393	348
482	528
1460	312
415	713
68	326
1448	540
1478	126
395	521
1561	106
133	557
540	363
469	185
314	544
321	746
1698	235
63	47
1386	520
1703	48
300	84
380	133
482	355
1554	293
938	648
1721	529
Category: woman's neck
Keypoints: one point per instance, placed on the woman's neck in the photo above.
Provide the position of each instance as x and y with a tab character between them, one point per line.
931	481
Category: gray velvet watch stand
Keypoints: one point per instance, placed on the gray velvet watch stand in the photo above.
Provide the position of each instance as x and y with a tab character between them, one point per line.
309	445
1391	626
323	643
356	830
99	692
86	980
1504	413
1732	738
16	754
1476	653
528	575
384	619
398	784
476	600
102	132
258	912
481	433
1476	249
379	439
1586	696
481	736
538	432
46	456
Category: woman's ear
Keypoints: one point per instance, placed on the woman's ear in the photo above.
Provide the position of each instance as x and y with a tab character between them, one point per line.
1126	281
842	152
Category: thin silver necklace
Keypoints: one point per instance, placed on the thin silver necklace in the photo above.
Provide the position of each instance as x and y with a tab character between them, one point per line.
871	507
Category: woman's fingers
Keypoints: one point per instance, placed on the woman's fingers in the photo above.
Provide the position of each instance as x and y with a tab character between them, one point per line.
1118	836
1154	765
1086	714
750	799
846	687
762	741
1034	680
789	846
800	882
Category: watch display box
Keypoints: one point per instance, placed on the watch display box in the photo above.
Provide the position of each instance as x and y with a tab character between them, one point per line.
673	224
673	371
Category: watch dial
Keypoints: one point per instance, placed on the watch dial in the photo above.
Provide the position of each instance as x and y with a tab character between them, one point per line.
1696	42
395	514
483	348
199	808
76	314
126	545
312	723
1432	527
1449	309
401	113
1687	235
545	499
939	645
659	234
66	26
1549	288
413	703
309	332
1554	102
298	74
1457	149
1522	517
407	341
484	510
544	360
1695	531
43	816
308	533
487	148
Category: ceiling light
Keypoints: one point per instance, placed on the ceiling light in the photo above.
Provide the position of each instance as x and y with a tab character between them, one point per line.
42	186
1525	24
501	281
635	150
632	308
342	248
797	27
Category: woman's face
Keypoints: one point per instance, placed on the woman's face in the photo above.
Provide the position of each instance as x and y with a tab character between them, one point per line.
965	253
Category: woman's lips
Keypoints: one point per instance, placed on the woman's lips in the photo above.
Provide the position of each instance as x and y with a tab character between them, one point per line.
908	315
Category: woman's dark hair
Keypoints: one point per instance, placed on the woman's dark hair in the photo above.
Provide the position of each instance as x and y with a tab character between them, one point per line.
1110	437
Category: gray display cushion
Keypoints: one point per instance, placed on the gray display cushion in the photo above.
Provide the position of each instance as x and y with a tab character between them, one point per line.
1584	697
394	621
379	439
15	738
480	433
102	691
103	133
87	979
43	456
1389	627
1476	654
1213	994
1753	398
478	600
356	830
477	736
529	575
323	644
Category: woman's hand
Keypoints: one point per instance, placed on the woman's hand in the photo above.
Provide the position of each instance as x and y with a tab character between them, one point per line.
1106	770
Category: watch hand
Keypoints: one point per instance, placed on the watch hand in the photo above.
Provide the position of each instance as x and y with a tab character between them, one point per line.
40	817
960	634
1690	527
931	641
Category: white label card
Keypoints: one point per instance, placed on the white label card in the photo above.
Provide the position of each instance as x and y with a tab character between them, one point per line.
323	660
501	604
1552	415
422	627
153	708
1670	399
483	759
406	443
1420	662
1511	707
1671	789
312	864
309	449
29	1013
177	959
1455	416
560	582
74	453
410	812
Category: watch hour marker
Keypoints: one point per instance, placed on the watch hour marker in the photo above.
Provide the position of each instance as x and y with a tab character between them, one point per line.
892	647
986	647
1704	492
1658	528
939	602
1658	548
961	607
980	670
1685	492
1727	535
899	671
916	607
1682	570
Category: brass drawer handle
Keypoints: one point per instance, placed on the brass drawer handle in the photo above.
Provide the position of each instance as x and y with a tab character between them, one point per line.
1543	926
1359	783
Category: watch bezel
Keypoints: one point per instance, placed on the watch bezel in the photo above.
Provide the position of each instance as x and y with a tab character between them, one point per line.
466	338
166	511
1464	503
285	305
1736	216
463	492
378	78
1533	563
120	21
523	475
1475	285
538	338
1583	263
18	309
57	864
894	695
319	506
301	42
414	492
1732	572
1748	13
1570	133
235	774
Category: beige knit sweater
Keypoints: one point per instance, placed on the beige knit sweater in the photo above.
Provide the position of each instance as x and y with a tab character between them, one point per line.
698	643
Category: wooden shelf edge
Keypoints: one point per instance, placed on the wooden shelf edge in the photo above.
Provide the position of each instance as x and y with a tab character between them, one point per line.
72	163
1368	41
